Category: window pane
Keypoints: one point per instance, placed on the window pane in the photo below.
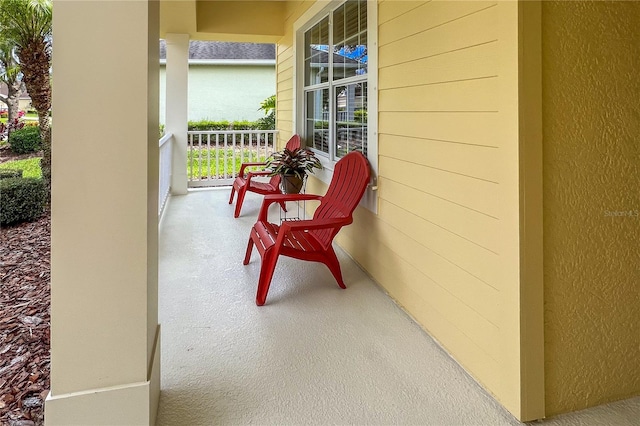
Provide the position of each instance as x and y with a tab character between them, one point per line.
363	15
351	19
351	53
350	49
338	25
363	54
317	120
348	53
339	62
351	118
316	47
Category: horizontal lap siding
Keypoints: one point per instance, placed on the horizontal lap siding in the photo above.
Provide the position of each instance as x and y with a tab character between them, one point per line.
437	242
284	94
388	10
284	74
455	127
423	298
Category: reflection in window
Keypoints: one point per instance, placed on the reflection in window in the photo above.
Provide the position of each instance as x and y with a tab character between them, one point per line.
351	118
317	120
316	63
350	40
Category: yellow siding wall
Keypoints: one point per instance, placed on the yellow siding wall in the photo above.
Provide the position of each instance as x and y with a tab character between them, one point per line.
445	240
284	70
591	127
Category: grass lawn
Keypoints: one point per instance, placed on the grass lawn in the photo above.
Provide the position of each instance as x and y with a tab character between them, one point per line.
30	167
232	167
29	116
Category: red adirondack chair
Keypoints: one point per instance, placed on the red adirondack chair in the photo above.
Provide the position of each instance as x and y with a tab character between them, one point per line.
244	182
310	239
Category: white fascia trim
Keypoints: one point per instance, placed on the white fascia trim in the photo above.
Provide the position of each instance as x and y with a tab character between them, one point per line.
258	62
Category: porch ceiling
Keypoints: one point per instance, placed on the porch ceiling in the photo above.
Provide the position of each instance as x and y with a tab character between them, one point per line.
218	20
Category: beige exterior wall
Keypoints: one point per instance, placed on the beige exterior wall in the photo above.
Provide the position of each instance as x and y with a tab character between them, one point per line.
446	240
591	202
104	328
225	92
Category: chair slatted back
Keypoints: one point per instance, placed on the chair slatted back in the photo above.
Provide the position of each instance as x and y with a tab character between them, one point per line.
349	181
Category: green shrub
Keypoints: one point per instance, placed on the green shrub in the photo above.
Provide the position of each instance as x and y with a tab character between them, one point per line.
207	125
10	173
360	115
25	140
21	200
244	125
30	167
268	122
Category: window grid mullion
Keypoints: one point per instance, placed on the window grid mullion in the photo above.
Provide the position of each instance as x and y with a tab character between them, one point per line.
350	80
331	123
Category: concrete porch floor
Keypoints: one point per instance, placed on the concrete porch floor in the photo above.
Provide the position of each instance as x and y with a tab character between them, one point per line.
314	354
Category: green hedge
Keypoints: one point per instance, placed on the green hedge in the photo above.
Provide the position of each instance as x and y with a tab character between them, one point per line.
206	125
9	173
25	140
22	200
30	167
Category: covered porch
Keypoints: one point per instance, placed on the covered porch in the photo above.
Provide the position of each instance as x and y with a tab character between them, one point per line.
541	313
314	354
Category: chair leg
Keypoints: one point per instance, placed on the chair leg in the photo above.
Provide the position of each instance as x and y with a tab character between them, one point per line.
233	191
247	256
241	192
269	260
283	205
331	260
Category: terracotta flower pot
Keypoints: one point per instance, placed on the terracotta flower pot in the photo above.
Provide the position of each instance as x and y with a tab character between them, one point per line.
291	184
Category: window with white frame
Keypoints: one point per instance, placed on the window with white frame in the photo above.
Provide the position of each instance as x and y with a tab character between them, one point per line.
334	90
335	84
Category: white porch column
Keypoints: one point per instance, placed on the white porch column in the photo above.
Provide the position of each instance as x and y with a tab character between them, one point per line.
177	106
105	366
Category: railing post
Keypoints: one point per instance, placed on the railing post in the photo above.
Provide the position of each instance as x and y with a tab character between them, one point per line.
177	81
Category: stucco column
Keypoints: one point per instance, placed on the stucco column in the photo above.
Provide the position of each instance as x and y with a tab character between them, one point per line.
177	106
105	365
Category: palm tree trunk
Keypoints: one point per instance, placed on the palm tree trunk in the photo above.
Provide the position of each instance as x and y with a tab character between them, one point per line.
13	100
45	163
35	61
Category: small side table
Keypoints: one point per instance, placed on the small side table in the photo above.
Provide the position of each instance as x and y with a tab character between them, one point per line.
296	210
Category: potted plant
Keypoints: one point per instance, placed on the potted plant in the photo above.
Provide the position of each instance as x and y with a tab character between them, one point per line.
292	166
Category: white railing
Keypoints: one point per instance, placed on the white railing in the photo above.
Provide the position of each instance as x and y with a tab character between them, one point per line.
166	150
340	116
214	157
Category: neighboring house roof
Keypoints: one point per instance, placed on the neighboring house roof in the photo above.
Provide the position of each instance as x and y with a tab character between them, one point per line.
322	57
4	91
207	50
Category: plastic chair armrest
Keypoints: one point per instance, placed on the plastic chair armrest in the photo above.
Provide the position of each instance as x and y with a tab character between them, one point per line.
277	198
245	165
